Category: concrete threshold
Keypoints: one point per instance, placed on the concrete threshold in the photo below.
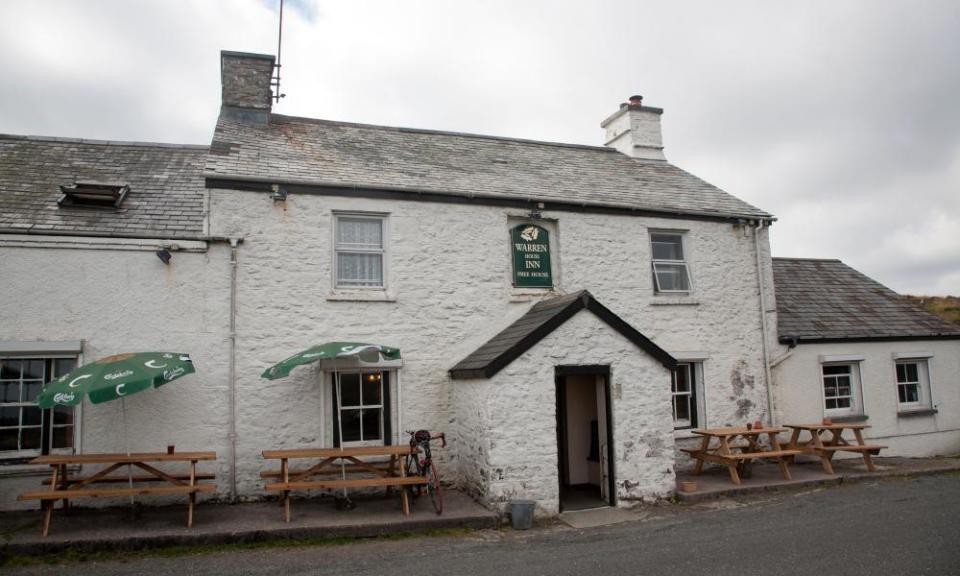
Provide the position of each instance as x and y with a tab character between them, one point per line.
123	528
715	482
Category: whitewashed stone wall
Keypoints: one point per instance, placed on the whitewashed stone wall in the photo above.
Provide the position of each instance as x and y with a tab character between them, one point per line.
798	389
449	291
122	300
506	430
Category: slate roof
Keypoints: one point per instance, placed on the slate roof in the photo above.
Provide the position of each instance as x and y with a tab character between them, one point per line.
166	198
542	319
308	151
826	300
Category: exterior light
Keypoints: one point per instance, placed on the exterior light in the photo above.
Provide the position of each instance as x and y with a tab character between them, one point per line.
164	255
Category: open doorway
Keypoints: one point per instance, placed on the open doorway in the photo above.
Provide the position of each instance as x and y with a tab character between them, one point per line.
584	427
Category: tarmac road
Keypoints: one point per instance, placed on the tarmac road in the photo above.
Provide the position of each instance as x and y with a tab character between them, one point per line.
886	528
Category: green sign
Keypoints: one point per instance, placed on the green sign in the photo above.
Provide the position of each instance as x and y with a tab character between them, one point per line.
530	245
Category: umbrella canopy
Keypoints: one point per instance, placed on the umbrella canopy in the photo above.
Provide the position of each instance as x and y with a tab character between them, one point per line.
115	377
332	351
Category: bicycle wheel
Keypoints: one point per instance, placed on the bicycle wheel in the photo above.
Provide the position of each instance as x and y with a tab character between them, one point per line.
433	488
413	469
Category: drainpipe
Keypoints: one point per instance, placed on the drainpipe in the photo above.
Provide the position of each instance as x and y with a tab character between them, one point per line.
232	435
763	320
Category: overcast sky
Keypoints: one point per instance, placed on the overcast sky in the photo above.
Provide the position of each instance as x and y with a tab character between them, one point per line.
841	118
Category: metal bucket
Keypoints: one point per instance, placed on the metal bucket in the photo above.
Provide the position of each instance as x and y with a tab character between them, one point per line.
521	514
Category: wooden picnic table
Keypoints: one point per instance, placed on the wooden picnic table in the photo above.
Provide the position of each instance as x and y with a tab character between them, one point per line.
65	487
364	459
826	448
735	446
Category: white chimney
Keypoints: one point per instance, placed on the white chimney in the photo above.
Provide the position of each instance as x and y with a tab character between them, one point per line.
634	130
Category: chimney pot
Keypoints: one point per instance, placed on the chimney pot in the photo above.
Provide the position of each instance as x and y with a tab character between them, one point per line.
636	101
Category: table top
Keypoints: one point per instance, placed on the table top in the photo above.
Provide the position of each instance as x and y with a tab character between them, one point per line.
738	431
834	426
400	450
56	459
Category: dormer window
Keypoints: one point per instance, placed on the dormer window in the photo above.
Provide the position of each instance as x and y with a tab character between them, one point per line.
93	194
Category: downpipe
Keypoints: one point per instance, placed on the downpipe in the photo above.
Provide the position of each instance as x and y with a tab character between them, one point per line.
232	435
763	320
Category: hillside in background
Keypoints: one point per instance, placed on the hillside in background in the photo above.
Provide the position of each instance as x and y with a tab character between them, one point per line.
946	307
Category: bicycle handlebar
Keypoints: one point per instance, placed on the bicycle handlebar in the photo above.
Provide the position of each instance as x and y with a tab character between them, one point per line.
442	437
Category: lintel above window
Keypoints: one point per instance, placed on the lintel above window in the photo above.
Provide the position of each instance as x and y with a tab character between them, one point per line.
94	194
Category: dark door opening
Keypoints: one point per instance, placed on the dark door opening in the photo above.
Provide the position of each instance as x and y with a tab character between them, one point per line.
584	427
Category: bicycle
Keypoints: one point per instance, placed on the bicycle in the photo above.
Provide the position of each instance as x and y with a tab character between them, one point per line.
420	463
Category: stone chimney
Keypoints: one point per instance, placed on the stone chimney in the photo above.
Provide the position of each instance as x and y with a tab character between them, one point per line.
245	80
634	130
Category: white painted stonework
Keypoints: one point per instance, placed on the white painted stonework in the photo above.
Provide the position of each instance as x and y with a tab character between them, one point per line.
798	393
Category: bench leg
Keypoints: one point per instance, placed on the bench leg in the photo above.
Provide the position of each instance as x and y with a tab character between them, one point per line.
868	461
698	468
733	473
193	499
286	506
783	468
827	466
47	514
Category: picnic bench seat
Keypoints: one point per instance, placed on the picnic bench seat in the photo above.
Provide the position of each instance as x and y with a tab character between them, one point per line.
71	493
351	483
873	449
137	478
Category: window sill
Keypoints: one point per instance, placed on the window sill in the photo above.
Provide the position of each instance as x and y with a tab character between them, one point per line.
849	419
916	412
361	296
659	300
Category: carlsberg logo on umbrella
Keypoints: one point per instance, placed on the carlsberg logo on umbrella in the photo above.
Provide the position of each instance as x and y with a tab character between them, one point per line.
115	377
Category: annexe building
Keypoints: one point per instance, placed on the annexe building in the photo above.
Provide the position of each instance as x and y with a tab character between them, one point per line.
565	313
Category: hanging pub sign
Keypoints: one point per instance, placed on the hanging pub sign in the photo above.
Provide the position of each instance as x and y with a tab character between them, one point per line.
530	245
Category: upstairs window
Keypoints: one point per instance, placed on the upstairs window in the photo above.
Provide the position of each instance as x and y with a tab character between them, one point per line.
359	251
670	274
93	194
913	385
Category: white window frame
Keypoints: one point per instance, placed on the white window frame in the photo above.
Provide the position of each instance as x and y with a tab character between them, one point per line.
30	453
654	261
856	389
922	383
695	395
382	251
383	407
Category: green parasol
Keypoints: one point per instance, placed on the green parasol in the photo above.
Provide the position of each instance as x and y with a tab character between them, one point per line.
115	377
331	351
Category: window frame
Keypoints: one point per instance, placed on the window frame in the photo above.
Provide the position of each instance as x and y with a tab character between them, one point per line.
385	406
924	399
47	422
695	402
681	235
383	251
856	389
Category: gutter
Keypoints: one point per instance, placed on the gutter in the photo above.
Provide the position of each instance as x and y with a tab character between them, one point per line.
758	225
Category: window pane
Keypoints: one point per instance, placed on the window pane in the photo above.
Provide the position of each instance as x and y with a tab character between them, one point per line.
667	247
830	391
671	277
349	389
359	269
350	422
360	233
9	391
10	369
63	414
63	437
33	370
902	393
371	424
911	372
32	416
30	391
62	366
911	392
901	373
843	402
682	379
831	403
682	407
8	438
371	389
30	438
9	416
837	369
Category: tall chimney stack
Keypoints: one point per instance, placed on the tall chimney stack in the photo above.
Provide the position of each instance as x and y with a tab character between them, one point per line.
634	130
245	85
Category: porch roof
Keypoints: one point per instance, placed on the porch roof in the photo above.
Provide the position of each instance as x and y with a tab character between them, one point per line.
542	319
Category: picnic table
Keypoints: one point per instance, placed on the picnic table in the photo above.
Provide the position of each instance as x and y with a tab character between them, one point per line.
734	447
364	459
825	448
64	487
